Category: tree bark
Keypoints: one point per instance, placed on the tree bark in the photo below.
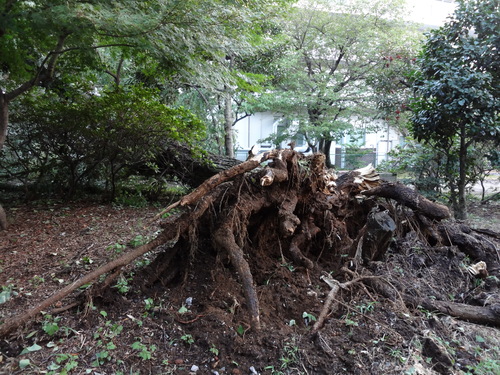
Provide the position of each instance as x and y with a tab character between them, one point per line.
4	118
4	121
12	324
461	212
411	199
489	315
326	148
228	125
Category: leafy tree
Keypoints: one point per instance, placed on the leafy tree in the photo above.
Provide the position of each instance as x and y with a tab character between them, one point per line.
336	50
458	88
57	44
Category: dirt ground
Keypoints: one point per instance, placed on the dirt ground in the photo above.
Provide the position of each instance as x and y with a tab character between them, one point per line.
198	322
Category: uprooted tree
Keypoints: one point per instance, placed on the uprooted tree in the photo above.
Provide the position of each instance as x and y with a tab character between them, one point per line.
282	204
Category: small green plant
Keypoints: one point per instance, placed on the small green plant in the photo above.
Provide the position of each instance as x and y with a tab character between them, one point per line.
37	280
143	351
188	339
308	318
288	266
240	330
367	307
116	248
138	240
350	323
183	309
396	353
101	357
149	304
290	356
63	365
8	291
273	370
122	284
50	325
213	349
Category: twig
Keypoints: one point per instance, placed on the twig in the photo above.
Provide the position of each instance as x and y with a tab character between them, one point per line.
335	287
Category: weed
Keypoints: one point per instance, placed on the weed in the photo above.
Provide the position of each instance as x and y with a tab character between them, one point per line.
63	364
50	325
138	240
8	291
149	304
116	248
367	307
396	353
350	323
37	280
240	330
273	370
288	266
290	356
308	318
143	351
188	339
122	284
485	367
213	349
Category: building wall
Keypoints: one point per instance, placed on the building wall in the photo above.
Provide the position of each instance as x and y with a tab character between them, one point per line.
249	131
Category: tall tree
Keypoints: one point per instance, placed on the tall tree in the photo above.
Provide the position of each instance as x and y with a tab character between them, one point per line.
458	87
52	43
335	47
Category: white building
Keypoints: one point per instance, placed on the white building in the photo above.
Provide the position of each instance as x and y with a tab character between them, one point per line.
374	145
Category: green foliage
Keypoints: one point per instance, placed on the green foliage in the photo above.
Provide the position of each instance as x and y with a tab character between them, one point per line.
50	325
458	76
458	86
336	53
91	140
143	351
188	339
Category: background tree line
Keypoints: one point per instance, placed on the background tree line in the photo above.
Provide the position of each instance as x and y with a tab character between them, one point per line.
92	89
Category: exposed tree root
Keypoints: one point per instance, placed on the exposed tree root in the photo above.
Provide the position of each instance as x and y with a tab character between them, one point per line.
297	206
335	288
411	199
14	323
489	315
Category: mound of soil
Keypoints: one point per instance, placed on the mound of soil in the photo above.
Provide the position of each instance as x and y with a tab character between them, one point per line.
197	321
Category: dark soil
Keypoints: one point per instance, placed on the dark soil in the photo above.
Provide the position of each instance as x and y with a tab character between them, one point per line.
198	321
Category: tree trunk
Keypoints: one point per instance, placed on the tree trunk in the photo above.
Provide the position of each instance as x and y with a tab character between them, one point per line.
178	160
461	213
4	118
228	125
325	147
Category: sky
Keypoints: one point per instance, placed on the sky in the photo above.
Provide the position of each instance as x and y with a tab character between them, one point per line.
430	12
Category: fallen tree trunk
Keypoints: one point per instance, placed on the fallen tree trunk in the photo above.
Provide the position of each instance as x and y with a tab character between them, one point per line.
178	160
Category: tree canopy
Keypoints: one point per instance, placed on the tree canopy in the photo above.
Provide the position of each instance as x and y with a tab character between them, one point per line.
458	86
336	49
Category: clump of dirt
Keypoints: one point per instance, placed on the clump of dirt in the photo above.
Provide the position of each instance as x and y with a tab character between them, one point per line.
196	321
